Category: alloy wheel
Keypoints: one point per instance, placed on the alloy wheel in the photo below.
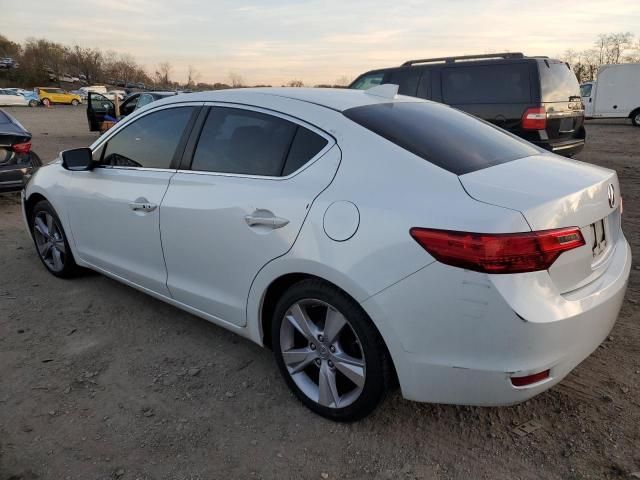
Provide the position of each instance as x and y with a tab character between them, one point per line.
50	241
322	353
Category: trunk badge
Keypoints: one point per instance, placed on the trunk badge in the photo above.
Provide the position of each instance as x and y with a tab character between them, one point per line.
611	195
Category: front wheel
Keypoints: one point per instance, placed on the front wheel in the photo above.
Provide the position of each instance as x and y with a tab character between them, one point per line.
33	103
74	102
635	118
46	102
51	242
329	352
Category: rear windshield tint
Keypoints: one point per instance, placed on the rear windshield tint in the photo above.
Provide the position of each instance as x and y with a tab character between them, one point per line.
446	137
558	82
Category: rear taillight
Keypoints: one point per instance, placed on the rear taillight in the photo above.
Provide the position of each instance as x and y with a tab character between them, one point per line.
534	119
530	379
22	147
498	252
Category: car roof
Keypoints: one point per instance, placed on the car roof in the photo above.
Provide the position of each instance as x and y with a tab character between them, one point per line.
338	99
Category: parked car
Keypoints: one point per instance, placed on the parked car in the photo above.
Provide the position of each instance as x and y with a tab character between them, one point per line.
100	107
367	238
17	161
30	95
615	94
9	97
8	63
536	98
49	95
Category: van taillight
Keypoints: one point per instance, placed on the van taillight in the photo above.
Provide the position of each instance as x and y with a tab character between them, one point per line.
22	147
534	119
498	252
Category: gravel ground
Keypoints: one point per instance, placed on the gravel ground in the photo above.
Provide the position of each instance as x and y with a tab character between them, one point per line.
99	381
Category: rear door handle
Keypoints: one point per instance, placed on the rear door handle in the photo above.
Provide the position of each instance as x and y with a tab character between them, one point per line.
142	206
273	222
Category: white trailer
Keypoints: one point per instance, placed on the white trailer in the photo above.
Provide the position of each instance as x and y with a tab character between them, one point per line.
614	94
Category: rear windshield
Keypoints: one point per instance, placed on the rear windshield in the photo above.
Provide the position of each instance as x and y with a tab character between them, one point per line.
446	137
558	82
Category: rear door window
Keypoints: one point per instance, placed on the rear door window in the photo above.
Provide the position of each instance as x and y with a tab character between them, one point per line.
243	142
508	83
247	142
407	80
444	136
558	82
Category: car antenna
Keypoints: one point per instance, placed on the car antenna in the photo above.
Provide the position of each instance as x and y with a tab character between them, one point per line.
387	90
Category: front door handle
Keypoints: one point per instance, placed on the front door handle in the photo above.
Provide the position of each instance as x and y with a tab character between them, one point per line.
142	206
266	220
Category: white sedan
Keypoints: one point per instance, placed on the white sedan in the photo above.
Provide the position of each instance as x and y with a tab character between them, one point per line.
11	98
367	238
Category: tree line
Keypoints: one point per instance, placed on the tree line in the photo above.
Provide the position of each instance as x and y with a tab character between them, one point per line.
608	48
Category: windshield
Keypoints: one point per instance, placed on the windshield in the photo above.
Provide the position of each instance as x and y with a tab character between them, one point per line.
558	82
585	90
444	136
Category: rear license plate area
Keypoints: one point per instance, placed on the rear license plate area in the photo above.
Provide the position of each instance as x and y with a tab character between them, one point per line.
567	125
600	241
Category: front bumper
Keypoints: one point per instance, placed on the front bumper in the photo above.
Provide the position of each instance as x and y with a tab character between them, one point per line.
458	337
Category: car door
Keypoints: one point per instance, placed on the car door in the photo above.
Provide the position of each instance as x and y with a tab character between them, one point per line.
98	106
253	177
113	209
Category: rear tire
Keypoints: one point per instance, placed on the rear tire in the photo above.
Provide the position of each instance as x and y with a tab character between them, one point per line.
340	368
46	102
635	117
51	241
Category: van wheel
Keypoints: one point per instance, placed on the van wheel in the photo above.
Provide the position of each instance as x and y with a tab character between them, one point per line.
635	117
328	351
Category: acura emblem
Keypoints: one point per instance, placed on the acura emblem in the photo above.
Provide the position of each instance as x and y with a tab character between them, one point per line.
611	195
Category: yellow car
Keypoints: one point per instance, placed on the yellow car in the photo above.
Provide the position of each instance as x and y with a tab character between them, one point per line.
50	95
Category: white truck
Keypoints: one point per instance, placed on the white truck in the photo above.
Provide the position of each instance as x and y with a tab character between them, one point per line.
614	94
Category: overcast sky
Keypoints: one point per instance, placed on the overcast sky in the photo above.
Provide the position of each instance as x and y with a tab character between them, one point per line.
316	41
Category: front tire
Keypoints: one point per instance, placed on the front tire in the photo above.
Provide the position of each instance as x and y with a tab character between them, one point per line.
635	118
74	102
51	242
328	351
33	103
46	102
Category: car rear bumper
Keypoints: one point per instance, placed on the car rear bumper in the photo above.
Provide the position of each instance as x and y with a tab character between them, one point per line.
567	148
455	338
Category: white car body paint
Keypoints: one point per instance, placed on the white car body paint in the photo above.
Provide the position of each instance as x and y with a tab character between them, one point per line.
455	336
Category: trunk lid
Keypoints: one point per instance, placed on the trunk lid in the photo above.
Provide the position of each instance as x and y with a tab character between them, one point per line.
553	192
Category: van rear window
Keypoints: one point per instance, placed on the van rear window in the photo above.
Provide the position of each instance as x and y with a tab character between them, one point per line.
482	84
558	82
444	136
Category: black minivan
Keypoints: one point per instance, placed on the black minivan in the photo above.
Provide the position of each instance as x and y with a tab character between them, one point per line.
536	98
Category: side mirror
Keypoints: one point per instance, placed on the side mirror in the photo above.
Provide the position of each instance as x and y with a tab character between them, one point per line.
78	159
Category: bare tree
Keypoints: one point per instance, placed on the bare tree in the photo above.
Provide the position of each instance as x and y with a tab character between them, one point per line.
235	80
609	48
295	83
192	76
163	72
342	81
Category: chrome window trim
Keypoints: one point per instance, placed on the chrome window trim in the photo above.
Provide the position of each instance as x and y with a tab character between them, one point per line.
331	141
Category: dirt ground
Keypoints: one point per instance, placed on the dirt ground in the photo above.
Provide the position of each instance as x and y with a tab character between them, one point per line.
99	381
